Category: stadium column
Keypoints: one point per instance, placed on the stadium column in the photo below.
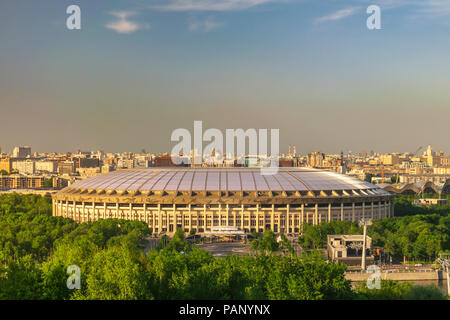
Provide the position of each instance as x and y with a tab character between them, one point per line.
190	217
242	217
303	214
287	218
117	211
329	212
130	212
181	215
272	217
104	210
364	209
353	211
93	210
220	215
316	214
371	211
145	214
204	218
257	217
342	211
67	208
385	210
379	210
153	220
159	219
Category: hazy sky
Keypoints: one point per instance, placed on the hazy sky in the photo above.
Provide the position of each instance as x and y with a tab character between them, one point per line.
137	70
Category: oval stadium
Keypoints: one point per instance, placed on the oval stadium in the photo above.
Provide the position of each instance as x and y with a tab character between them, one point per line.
203	199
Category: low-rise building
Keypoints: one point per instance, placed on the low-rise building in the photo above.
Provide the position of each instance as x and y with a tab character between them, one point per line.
21	182
430	202
348	249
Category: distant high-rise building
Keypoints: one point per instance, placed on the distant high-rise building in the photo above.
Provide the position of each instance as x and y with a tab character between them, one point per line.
22	152
315	159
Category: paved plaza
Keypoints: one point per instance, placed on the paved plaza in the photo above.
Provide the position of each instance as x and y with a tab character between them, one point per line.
221	249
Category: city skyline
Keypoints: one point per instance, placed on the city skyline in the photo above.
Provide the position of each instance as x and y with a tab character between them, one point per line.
138	70
289	150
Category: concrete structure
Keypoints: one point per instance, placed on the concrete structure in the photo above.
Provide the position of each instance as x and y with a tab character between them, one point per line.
21	182
349	249
430	201
418	188
399	275
200	199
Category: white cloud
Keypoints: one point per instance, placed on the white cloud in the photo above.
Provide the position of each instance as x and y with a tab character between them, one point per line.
425	8
205	25
435	7
123	25
210	5
338	15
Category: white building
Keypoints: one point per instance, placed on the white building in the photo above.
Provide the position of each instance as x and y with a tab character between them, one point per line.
24	167
46	166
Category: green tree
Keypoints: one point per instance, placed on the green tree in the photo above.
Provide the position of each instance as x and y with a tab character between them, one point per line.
267	243
116	273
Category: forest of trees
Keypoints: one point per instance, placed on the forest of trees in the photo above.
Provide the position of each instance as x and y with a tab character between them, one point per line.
418	233
36	250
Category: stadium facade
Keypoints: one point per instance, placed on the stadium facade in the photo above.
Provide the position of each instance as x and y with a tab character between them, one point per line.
203	198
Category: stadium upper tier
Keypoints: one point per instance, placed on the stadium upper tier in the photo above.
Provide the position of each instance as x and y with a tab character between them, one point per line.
302	181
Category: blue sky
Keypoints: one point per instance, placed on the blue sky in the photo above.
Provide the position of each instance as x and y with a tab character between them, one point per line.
139	69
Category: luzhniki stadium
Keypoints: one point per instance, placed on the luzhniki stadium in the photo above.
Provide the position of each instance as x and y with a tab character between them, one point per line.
202	199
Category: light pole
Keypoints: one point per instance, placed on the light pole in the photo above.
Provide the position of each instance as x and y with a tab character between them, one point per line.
364	223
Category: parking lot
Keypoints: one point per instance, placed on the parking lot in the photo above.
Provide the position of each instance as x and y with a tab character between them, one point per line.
221	249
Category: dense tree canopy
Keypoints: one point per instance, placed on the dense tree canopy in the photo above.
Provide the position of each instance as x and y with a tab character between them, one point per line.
420	233
36	250
315	237
403	206
394	290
